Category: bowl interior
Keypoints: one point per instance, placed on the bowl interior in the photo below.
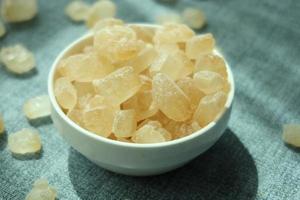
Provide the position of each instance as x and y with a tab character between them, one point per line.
76	47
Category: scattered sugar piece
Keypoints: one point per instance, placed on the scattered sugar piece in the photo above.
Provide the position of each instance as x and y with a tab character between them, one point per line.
169	18
25	141
291	134
37	107
18	10
194	18
17	58
41	191
77	10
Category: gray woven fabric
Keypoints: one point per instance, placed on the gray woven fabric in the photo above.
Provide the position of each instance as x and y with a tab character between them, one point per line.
261	40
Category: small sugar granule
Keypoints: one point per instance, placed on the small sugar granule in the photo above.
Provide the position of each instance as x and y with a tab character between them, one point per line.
18	10
171	17
194	18
77	10
37	107
41	191
25	141
17	59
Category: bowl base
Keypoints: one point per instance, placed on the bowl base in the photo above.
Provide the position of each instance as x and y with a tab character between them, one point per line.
138	172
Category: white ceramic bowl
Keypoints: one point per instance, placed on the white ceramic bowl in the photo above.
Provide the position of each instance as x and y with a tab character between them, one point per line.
130	158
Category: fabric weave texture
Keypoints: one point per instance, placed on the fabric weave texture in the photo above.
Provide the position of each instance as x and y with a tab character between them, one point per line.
261	41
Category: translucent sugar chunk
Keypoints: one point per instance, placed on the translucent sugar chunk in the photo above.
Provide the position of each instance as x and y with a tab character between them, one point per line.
173	33
211	62
77	10
82	101
144	59
99	101
194	18
94	102
170	99
85	67
171	17
65	93
2	128
143	33
76	115
99	120
25	141
88	49
84	88
107	22
124	123
2	29
156	124
200	45
41	191
209	82
189	87
175	65
182	129
209	108
148	134
142	101
100	10
146	82
17	59
157	127
291	134
37	107
118	86
18	10
167	48
161	118
118	43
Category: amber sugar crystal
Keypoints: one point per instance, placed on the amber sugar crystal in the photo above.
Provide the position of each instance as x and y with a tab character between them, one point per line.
138	84
37	107
17	59
25	141
41	191
170	99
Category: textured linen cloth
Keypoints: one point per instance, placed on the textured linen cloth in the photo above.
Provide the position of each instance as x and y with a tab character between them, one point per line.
261	41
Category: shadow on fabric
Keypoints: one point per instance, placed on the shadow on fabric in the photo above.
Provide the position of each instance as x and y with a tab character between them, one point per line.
3	140
226	171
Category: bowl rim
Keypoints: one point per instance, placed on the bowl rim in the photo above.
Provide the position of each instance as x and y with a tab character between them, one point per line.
99	138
